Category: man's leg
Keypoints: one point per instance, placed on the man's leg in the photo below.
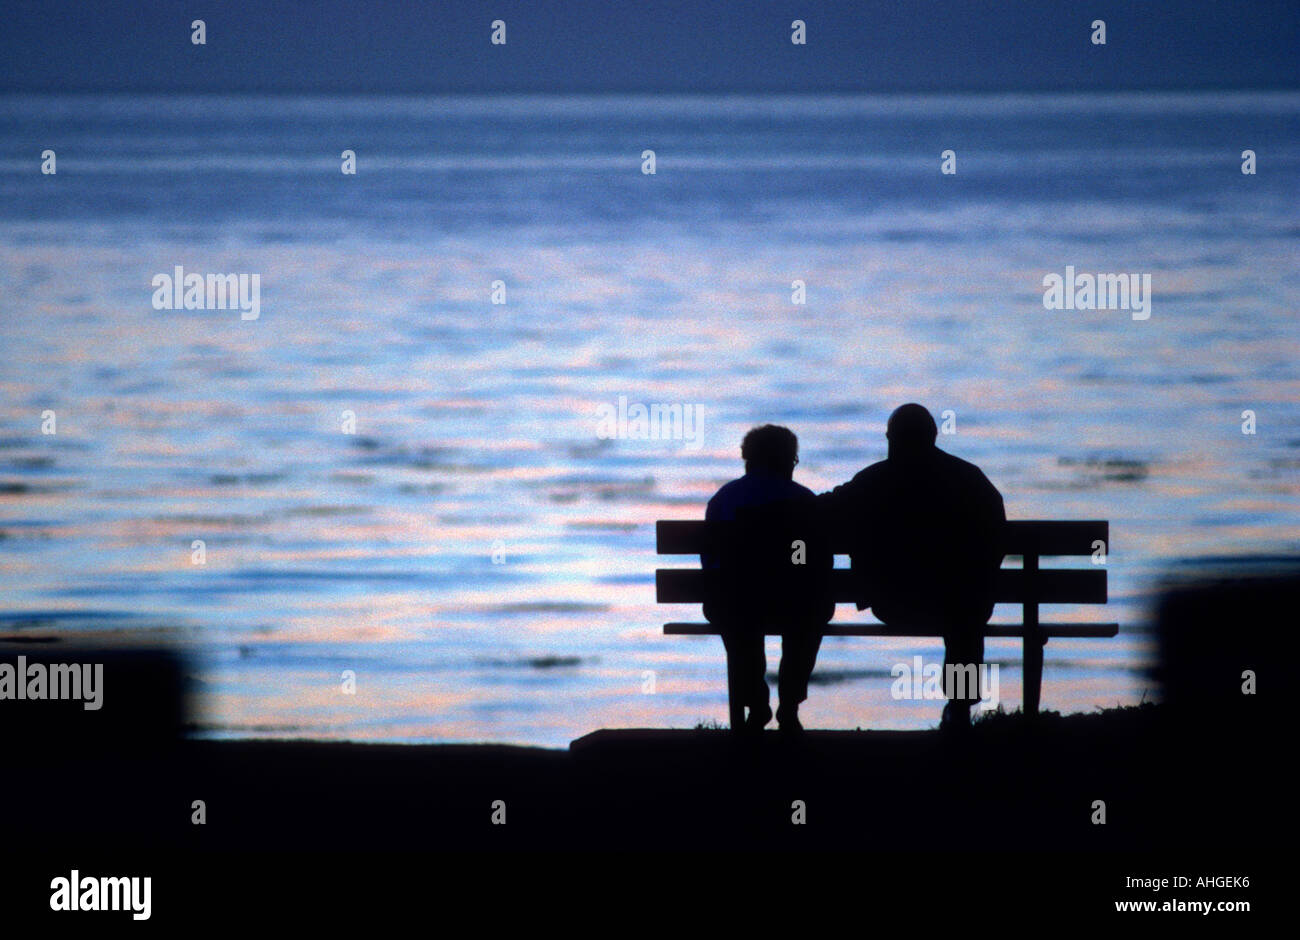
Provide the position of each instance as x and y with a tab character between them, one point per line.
799	649
747	668
963	655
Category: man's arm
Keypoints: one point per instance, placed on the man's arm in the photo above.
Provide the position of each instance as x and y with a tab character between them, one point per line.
993	518
839	501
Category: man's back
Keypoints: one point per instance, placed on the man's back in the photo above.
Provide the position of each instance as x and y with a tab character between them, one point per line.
926	535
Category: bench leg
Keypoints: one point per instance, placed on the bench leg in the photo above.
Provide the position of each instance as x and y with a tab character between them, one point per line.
1033	658
735	707
1033	677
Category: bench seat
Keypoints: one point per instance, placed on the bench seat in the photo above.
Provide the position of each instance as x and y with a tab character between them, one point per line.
1030	586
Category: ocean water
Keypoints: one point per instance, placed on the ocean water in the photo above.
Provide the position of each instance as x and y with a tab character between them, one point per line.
474	551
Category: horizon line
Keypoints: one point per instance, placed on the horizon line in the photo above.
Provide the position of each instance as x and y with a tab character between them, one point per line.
658	93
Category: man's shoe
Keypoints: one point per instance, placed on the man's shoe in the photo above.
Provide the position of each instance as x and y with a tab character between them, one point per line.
788	721
758	718
956	718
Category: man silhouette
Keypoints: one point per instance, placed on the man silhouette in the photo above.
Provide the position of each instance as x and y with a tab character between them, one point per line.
925	534
769	572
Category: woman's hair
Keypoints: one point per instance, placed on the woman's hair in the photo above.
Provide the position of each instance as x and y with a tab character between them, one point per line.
770	447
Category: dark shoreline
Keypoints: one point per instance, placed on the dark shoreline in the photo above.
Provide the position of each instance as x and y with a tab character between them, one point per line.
626	825
1201	771
1011	782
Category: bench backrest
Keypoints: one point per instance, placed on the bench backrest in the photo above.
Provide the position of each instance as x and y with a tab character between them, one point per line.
1030	539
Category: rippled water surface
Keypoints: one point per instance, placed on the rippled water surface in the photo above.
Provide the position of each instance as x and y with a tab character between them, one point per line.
476	553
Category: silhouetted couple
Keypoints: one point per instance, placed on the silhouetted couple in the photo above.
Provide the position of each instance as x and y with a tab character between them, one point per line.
924	533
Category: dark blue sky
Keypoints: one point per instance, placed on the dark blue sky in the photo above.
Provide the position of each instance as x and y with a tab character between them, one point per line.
658	45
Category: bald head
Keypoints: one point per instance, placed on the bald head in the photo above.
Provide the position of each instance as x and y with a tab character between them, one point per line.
911	430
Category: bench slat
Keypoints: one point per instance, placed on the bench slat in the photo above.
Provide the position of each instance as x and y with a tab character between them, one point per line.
1055	537
878	629
1023	536
1053	586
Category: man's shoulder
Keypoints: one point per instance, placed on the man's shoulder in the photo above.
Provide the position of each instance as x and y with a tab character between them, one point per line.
957	464
873	472
965	470
865	483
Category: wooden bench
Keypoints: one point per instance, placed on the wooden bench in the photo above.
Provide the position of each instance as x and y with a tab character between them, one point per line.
1029	586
